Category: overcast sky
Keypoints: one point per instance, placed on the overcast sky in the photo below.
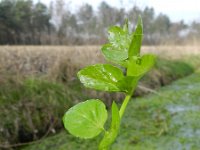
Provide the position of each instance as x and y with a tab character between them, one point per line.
187	10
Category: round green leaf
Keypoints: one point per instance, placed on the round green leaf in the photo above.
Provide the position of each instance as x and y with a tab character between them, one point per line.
101	77
114	53
86	119
119	42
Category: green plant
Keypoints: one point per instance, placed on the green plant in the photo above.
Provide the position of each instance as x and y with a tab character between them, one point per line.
87	119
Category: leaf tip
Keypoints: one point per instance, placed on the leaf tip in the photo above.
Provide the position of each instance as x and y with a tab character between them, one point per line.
140	19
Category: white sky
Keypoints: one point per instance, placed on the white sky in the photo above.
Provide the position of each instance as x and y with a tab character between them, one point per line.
177	10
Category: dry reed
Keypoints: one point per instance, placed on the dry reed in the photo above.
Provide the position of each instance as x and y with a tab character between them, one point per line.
50	60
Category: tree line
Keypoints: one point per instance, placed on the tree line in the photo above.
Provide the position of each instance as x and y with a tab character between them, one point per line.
25	22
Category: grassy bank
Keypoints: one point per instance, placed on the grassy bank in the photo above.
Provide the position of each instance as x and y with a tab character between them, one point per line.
163	121
32	106
37	89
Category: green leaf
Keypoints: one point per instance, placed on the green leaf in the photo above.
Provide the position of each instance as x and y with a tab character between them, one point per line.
125	27
111	135
117	34
136	42
101	77
86	119
113	53
139	66
128	83
118	46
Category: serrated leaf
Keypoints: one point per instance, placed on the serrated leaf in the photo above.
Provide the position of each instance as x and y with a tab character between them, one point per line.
139	66
136	42
101	77
86	119
111	135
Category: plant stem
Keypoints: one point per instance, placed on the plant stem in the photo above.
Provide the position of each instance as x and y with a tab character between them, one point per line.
124	104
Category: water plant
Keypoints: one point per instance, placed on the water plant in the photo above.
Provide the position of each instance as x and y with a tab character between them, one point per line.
86	119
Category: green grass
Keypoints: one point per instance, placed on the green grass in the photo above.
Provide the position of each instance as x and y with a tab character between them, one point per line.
169	120
29	106
164	72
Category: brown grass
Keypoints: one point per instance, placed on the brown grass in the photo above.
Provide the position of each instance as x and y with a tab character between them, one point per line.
49	60
36	60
